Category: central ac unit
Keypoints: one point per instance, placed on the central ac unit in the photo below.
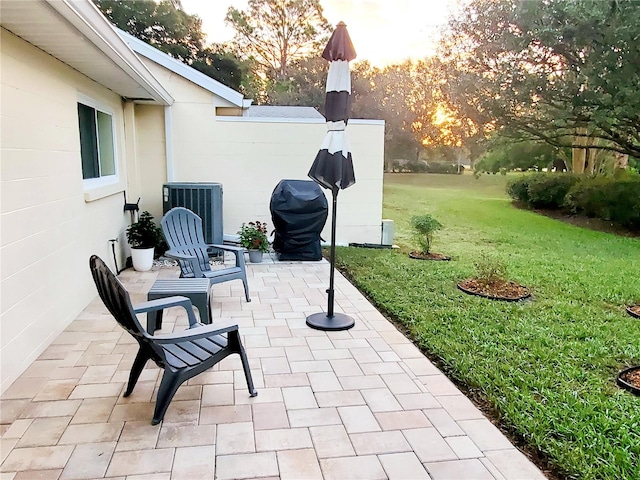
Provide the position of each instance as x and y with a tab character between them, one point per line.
203	199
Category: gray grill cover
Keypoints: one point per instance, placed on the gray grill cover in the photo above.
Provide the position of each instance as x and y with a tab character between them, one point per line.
299	211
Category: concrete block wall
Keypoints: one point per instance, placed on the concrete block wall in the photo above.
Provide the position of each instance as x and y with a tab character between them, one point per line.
47	229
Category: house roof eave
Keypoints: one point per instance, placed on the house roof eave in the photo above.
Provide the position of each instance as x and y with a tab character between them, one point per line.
76	33
184	70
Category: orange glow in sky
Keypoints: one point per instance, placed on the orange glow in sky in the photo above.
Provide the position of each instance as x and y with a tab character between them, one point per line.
382	31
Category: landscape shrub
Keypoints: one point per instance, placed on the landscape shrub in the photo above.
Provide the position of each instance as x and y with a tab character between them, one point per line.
587	197
612	198
439	167
490	270
424	227
548	190
608	198
518	188
416	166
623	198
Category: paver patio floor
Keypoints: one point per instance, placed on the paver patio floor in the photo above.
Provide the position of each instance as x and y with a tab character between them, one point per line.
362	403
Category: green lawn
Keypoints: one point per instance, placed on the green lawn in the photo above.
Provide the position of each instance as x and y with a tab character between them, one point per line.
547	366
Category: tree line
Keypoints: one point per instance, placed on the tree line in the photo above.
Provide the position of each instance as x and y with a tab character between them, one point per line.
516	83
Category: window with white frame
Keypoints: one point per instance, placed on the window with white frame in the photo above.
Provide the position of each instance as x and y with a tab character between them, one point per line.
97	145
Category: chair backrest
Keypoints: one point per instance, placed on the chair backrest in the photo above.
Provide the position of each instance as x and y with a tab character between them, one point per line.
183	231
117	300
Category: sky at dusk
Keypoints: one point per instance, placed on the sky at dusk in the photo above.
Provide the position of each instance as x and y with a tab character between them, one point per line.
382	31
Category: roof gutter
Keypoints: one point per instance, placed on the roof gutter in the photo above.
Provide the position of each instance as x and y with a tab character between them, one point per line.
168	142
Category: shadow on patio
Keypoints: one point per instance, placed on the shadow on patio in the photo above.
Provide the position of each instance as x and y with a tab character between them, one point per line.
362	403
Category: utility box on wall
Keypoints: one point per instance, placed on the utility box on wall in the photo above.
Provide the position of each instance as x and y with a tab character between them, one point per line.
387	232
203	199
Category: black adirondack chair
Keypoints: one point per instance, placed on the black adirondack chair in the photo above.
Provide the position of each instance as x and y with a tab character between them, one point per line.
182	355
183	231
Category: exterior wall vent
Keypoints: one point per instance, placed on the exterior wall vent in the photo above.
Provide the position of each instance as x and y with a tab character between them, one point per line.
203	199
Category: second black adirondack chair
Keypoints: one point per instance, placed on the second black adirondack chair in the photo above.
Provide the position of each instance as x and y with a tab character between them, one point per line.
183	231
182	355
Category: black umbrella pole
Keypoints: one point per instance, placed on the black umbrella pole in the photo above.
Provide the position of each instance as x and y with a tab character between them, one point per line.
332	260
330	320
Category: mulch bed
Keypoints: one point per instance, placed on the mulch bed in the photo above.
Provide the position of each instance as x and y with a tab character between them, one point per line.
495	290
634	311
429	256
630	379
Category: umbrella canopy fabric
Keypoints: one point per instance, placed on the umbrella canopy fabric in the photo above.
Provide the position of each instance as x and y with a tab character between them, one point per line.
333	165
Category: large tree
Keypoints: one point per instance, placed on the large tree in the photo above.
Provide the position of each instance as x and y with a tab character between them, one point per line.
388	93
303	85
167	27
276	33
561	71
220	65
504	155
418	124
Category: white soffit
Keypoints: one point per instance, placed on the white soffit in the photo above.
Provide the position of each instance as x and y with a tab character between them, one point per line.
77	34
184	70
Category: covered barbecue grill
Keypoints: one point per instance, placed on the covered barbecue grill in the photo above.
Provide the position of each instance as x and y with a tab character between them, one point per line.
299	211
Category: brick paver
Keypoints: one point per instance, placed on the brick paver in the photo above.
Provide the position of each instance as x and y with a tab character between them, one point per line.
362	403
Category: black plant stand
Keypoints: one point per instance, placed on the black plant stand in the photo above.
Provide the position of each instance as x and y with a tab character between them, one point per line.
331	321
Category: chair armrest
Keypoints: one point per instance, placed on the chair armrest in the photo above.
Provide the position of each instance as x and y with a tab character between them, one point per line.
192	259
168	302
179	256
228	248
237	251
194	333
231	239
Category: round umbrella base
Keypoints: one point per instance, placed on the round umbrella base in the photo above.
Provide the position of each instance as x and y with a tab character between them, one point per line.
339	321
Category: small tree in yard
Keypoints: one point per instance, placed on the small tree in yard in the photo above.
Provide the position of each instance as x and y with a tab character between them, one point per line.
490	270
424	227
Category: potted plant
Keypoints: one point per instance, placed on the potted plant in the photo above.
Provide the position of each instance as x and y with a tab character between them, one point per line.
143	236
253	237
424	226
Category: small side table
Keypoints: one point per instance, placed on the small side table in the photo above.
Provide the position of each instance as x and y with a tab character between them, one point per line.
196	289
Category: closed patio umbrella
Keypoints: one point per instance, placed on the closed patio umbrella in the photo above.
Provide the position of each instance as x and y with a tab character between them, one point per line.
333	166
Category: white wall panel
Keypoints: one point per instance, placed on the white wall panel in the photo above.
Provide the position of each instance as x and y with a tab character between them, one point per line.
47	230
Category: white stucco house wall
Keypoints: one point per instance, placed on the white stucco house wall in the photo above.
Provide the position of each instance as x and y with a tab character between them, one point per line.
70	84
